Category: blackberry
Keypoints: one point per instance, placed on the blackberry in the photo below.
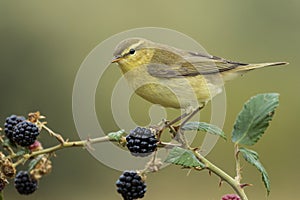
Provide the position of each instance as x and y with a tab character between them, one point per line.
10	123
231	197
131	186
141	142
24	183
25	133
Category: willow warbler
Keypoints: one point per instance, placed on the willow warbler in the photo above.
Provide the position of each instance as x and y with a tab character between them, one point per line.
173	77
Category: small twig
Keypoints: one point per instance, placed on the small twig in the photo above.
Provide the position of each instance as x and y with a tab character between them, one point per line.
52	133
20	161
64	145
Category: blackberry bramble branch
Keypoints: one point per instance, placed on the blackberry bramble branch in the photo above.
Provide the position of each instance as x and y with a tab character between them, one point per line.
21	146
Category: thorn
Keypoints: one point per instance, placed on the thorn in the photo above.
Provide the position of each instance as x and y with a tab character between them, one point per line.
189	172
220	183
237	154
196	149
245	185
209	172
89	146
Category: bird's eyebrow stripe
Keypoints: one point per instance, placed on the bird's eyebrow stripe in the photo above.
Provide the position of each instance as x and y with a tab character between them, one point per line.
133	46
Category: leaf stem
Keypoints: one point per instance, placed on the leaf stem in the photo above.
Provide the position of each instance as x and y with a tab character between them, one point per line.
223	175
238	176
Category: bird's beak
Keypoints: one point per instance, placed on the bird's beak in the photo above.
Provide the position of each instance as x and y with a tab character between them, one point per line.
116	59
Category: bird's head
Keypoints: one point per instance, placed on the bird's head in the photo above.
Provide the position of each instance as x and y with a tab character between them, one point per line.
132	53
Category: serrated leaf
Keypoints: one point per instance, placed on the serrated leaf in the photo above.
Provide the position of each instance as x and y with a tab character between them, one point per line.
252	157
116	135
183	157
254	118
205	127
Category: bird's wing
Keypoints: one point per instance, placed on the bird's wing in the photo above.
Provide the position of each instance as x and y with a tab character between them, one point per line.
192	64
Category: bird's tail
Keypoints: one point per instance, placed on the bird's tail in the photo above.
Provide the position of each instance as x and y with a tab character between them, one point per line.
245	68
241	69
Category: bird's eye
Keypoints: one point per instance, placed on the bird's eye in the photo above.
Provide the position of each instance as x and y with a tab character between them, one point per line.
131	51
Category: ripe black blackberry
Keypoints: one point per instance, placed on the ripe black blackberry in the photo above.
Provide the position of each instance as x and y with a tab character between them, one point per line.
10	123
25	133
141	142
131	186
24	183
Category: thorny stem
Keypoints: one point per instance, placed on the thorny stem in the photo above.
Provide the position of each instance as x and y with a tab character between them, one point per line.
238	176
22	160
82	143
235	184
52	133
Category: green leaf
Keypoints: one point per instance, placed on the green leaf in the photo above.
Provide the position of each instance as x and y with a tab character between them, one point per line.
254	119
183	157
252	157
34	162
205	127
116	135
8	143
22	152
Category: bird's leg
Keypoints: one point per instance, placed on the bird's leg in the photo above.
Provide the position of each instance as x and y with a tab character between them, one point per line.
184	115
168	124
174	129
181	137
192	114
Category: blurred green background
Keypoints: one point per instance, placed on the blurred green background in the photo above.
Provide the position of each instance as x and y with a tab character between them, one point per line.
42	45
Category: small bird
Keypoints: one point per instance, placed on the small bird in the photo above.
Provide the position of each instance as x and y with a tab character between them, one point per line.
173	77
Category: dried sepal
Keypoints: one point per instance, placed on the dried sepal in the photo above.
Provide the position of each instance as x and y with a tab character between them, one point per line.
43	167
8	169
34	116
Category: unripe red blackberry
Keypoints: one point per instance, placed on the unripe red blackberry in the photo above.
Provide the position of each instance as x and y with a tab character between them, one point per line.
141	142
230	197
36	146
131	186
25	133
10	124
24	183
